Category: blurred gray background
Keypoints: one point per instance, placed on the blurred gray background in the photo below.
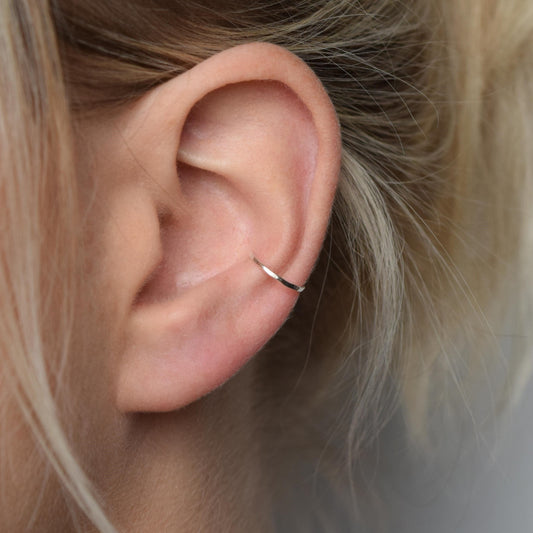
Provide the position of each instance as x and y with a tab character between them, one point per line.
483	487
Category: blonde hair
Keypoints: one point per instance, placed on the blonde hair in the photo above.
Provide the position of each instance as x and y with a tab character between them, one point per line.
429	225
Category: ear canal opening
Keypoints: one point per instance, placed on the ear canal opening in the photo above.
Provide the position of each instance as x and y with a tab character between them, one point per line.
205	239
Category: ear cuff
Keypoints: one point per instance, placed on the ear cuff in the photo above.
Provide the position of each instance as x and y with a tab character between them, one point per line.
273	275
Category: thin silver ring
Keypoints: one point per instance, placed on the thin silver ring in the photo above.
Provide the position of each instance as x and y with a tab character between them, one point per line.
269	272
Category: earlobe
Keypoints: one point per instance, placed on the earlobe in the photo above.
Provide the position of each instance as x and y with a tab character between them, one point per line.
257	148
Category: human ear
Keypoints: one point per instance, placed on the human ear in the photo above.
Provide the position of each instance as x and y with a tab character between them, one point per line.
234	159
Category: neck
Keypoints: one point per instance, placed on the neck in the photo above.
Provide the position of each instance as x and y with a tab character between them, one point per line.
196	470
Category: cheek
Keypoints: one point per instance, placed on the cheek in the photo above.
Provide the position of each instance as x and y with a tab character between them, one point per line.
30	498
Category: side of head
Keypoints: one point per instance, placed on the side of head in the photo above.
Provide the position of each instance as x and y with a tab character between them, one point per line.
167	146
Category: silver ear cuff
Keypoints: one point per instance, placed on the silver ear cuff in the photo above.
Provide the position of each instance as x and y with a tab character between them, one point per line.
269	272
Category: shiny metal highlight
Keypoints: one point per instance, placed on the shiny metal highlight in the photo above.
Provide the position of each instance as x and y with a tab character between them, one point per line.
273	275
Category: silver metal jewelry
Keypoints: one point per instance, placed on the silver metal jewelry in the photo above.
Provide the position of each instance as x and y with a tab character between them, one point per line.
269	272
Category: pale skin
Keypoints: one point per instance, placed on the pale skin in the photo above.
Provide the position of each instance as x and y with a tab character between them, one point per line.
162	419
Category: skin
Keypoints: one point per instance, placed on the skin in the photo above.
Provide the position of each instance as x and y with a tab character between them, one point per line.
159	390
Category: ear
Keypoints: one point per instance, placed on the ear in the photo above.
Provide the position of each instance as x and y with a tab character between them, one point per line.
237	157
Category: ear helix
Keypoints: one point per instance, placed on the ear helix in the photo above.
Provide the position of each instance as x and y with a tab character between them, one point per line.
275	276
